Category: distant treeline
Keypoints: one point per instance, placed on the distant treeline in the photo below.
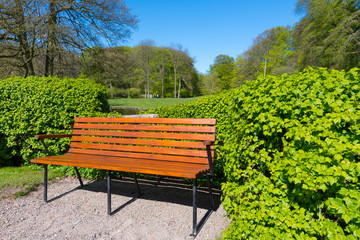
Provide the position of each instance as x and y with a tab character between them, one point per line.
144	70
63	38
328	35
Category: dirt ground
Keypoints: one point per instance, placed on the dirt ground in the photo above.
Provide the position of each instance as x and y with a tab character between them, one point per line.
163	212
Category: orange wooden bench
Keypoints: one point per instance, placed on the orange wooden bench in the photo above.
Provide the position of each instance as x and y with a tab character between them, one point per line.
175	147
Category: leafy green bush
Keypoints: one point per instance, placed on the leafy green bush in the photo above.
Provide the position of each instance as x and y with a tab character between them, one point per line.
43	105
293	160
290	154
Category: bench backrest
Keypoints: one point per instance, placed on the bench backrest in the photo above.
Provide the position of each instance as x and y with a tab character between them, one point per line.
168	139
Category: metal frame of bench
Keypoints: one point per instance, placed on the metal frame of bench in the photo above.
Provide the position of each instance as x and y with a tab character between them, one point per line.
158	121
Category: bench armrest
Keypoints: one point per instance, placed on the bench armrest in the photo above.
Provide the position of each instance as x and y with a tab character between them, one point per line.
208	143
53	136
41	137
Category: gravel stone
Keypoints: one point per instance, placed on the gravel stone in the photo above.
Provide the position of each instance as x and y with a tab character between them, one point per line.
163	212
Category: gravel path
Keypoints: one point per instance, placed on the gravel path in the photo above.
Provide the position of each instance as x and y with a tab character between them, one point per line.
163	212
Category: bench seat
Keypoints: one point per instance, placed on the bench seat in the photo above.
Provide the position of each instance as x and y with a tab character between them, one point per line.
145	166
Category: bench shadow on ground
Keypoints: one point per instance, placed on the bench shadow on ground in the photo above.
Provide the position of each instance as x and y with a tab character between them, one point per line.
164	190
155	189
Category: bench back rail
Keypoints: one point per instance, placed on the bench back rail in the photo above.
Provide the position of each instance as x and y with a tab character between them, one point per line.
161	139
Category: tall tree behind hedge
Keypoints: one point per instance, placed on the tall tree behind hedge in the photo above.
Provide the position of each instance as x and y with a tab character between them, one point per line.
329	34
79	24
161	60
20	36
223	70
113	67
145	54
53	28
271	53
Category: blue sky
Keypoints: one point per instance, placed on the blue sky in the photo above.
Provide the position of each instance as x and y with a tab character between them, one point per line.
207	28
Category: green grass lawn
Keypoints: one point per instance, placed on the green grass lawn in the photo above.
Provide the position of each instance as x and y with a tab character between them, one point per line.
147	103
18	181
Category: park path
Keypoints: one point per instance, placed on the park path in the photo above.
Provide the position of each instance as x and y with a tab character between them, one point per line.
164	212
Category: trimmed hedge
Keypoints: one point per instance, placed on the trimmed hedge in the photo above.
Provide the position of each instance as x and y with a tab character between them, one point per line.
294	170
291	155
43	105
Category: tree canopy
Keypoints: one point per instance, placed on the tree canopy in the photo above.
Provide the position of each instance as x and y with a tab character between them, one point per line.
37	36
329	34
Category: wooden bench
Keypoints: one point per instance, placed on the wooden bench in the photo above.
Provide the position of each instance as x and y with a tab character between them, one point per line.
161	146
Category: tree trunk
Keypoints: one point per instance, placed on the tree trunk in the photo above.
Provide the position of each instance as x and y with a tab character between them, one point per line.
145	92
175	83
148	81
111	92
179	87
265	69
50	50
162	84
23	41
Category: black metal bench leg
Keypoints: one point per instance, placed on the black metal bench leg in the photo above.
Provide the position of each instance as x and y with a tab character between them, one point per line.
45	181
137	184
109	192
79	177
210	192
194	232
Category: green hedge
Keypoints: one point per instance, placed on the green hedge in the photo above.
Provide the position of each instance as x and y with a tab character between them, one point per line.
291	155
43	105
294	170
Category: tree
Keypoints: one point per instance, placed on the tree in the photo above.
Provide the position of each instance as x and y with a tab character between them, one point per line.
144	54
114	67
51	29
186	67
175	59
239	77
280	54
271	53
161	61
20	34
329	34
223	70
208	84
81	24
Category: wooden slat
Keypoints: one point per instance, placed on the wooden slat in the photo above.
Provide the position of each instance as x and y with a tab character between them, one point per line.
170	173
135	141
141	156
124	164
157	135
141	149
130	162
191	121
166	128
